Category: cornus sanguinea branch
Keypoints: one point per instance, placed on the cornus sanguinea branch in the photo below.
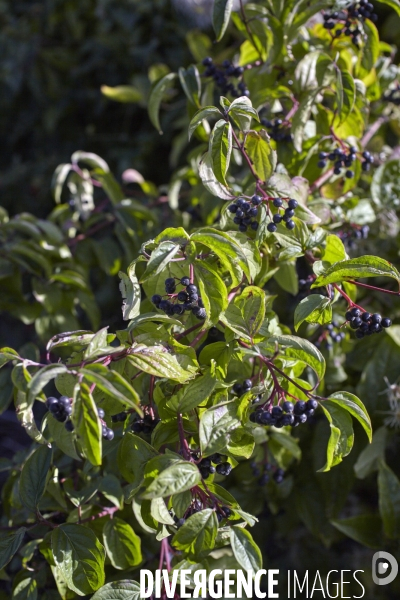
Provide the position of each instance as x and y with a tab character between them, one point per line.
243	318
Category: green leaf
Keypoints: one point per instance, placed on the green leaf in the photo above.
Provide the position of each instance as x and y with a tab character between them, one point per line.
245	550
25	589
7	354
159	259
79	556
130	292
300	119
156	360
122	544
220	148
313	309
123	589
191	83
203	113
242	112
212	290
87	424
209	180
261	154
122	93
227	248
334	250
157	94
180	476
181	502
365	529
355	407
9	545
216	427
220	17
355	268
159	510
42	378
341	439
245	315
193	394
25	416
112	383
32	483
133	456
345	94
300	349
369	459
198	533
395	4
97	345
370	50
389	500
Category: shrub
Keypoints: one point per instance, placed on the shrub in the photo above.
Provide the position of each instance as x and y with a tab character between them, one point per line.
256	328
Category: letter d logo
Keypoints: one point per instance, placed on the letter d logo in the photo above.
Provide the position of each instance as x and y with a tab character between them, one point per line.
380	566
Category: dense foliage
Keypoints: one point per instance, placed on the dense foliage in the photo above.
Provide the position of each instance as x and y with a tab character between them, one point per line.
257	331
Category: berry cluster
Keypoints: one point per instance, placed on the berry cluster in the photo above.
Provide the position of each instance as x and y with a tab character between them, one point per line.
263	478
206	467
348	20
353	233
60	408
119	418
244	212
187	299
368	160
278	130
340	158
292	204
145	425
364	323
334	333
288	414
242	388
222	76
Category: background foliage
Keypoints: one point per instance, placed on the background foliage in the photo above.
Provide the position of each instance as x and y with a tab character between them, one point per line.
59	271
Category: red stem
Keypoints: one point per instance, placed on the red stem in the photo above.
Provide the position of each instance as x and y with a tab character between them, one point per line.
373	287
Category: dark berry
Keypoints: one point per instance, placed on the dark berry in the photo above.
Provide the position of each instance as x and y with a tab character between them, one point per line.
52	402
386	322
355	323
271	227
237	388
349	174
69	426
253	212
247	384
277	202
254	225
375	318
156	299
207	61
290	225
355	312
292	204
232	208
299	407
256	200
276	411
183	296
288	407
169	282
101	413
289	213
178	309
185	281
191	288
277	218
312	404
